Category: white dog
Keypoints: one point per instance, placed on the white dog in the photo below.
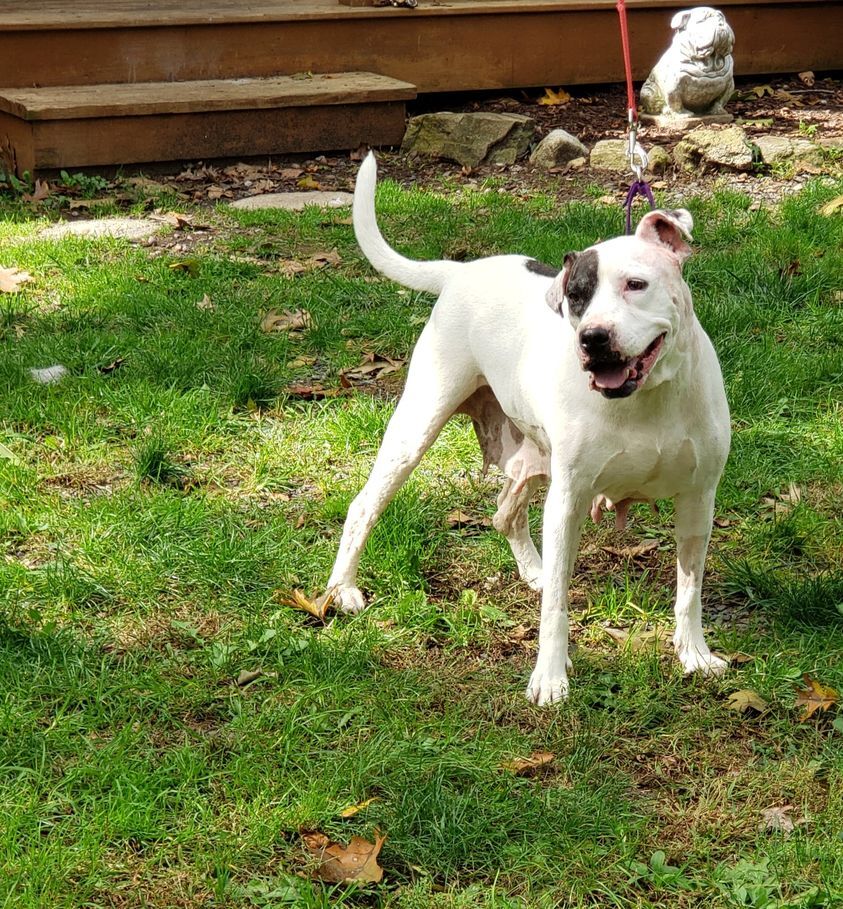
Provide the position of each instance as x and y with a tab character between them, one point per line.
695	74
598	379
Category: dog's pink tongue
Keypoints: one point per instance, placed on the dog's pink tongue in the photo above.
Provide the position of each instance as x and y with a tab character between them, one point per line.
612	378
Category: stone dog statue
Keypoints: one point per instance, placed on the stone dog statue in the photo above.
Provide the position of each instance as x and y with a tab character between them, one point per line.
694	77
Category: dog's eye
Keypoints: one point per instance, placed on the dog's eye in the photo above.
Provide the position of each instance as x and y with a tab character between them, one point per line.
636	284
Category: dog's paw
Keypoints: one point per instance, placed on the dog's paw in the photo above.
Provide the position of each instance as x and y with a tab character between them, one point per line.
546	688
532	578
701	660
349	599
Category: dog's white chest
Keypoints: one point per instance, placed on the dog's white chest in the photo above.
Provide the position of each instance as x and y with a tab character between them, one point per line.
652	469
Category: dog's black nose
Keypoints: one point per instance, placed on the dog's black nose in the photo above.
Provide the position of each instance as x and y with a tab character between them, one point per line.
594	340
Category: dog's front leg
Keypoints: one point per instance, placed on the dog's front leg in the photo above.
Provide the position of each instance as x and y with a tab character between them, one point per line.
564	513
694	516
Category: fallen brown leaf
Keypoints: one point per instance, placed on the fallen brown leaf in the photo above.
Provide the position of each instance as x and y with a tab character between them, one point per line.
373	366
111	367
317	607
342	864
290	320
746	701
40	192
247	676
176	220
312	392
553	98
308	182
11	279
459	518
832	206
300	362
814	697
658	638
633	552
291	173
291	267
529	765
777	819
206	303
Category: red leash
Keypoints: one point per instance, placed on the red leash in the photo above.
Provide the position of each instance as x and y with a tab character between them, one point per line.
627	62
637	156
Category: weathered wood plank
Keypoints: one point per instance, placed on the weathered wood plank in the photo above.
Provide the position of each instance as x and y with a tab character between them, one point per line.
490	50
51	14
212	134
67	102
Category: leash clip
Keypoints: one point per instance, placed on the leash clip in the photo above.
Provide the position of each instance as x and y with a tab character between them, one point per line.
638	159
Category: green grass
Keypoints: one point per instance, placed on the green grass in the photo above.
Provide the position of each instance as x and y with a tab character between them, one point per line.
152	512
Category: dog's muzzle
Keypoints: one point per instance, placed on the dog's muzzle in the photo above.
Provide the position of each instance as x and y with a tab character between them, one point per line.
612	375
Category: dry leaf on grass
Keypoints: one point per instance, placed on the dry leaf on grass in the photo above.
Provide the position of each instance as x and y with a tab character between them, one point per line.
289	320
301	362
459	518
832	206
353	810
317	607
189	266
553	98
777	819
11	279
529	765
291	267
358	861
176	220
373	366
312	392
633	552
639	640
206	304
814	697
247	676
112	366
747	701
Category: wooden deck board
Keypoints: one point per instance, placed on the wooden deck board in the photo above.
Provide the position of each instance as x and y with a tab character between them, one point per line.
20	15
65	102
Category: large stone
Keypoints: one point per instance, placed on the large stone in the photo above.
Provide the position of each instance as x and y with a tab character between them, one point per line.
557	148
610	154
783	150
94	228
469	139
727	147
294	201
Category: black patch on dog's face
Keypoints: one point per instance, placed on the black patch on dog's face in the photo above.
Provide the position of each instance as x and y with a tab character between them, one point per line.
539	268
582	282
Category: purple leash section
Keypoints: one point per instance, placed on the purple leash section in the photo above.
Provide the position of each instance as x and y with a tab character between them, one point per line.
638	188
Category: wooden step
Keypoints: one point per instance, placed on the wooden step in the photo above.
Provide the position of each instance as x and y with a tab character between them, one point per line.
122	123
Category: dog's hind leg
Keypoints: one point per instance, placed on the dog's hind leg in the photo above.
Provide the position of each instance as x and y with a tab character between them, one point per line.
511	519
437	383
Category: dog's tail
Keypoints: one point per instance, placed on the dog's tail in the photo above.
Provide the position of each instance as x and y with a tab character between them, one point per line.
429	276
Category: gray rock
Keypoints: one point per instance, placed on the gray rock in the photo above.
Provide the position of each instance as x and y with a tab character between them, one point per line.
294	201
557	148
126	228
469	139
727	147
781	149
609	154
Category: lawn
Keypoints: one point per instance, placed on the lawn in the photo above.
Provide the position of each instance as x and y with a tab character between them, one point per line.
171	729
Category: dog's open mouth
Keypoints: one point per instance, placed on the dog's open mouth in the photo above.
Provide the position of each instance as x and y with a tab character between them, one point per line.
620	378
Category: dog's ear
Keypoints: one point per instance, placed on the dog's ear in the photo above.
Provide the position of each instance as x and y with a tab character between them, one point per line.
668	228
555	295
680	20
